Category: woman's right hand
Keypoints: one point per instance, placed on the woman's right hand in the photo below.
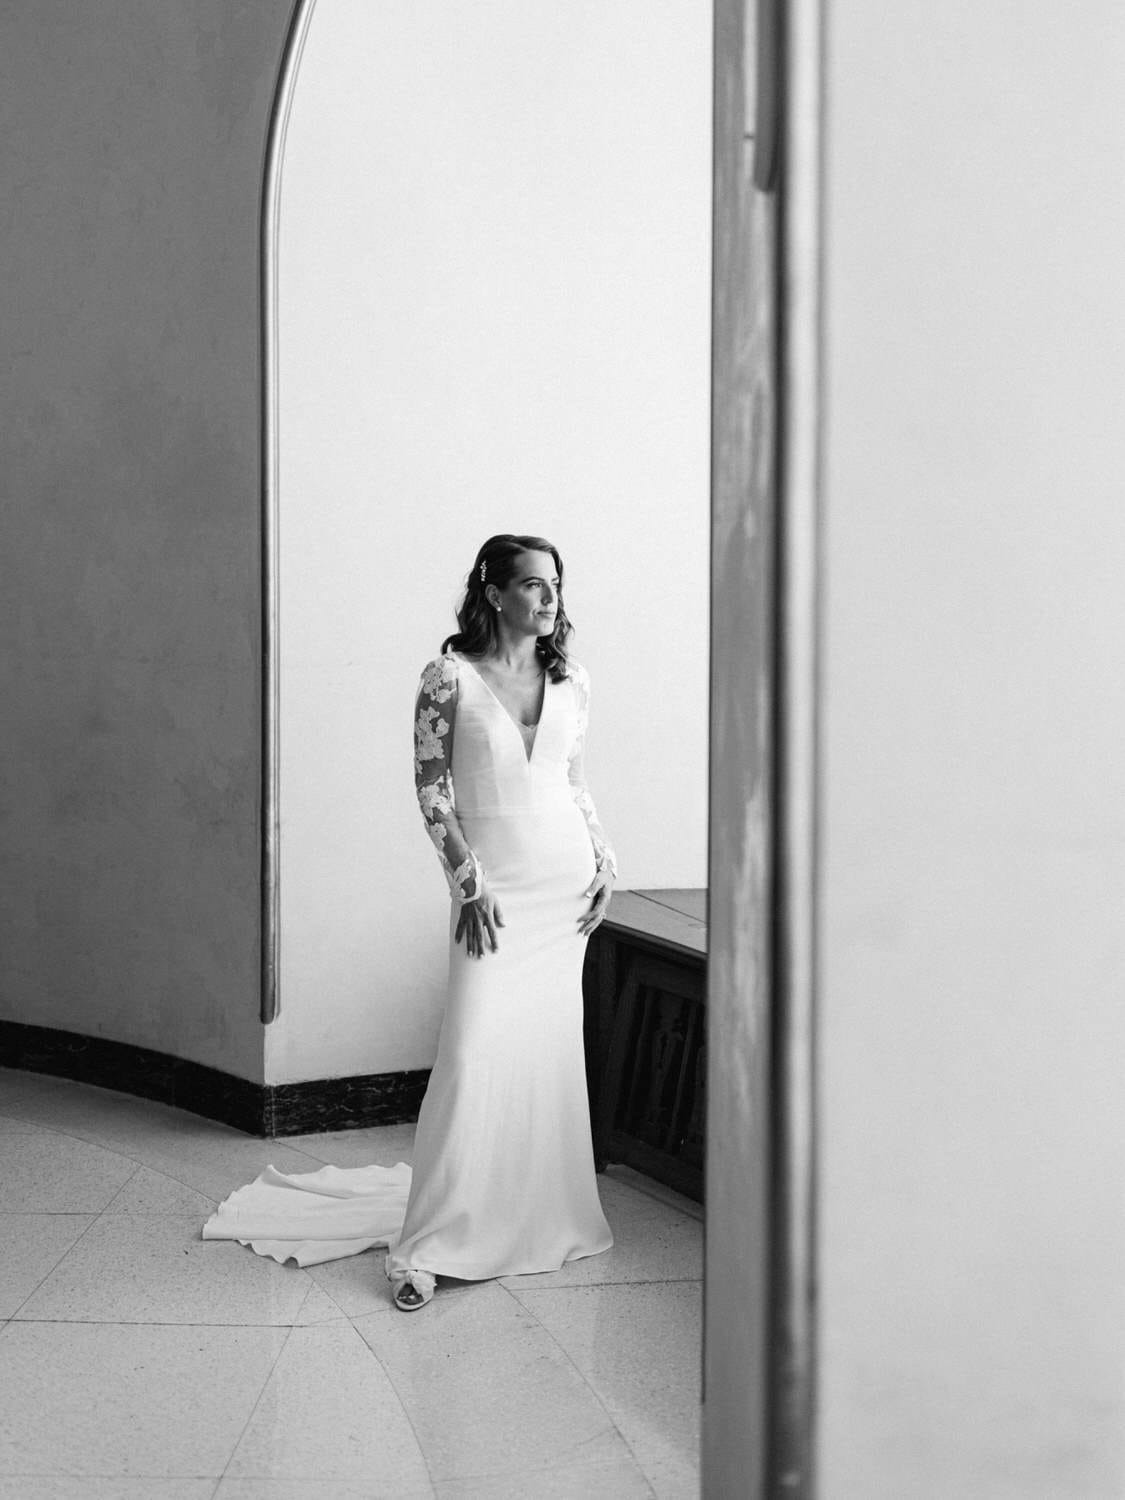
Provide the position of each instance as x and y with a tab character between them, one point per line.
478	921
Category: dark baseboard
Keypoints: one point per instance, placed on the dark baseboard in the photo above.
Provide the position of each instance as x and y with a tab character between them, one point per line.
345	1103
267	1109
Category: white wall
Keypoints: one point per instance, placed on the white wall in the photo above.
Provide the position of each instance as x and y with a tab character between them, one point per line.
972	1233
495	265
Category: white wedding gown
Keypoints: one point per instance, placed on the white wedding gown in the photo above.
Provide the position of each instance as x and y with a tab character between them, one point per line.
503	1179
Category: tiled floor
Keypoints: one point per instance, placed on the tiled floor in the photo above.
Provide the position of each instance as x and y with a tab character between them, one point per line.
138	1362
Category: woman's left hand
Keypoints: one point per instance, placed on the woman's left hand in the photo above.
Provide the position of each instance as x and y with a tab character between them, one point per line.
600	889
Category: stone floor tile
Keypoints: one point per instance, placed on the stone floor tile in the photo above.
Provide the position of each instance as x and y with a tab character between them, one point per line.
489	1393
318	1307
146	1269
59	1487
331	1489
43	1172
149	1192
598	1470
13	1125
329	1412
16	1083
639	1348
205	1155
165	1402
31	1245
358	1284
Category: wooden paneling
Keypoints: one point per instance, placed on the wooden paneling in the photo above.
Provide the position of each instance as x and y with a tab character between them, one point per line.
646	1035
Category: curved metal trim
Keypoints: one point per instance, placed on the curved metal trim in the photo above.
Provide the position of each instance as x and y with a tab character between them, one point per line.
268	316
793	1292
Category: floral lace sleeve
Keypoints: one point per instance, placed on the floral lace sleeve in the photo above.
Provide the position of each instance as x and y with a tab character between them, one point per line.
603	849
435	714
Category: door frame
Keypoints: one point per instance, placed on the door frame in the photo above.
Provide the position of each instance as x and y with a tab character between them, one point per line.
759	1288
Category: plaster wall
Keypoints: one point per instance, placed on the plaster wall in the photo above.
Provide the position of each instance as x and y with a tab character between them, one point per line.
973	966
129	184
494	316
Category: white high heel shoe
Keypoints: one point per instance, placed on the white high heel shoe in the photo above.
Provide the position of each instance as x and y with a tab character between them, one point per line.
412	1289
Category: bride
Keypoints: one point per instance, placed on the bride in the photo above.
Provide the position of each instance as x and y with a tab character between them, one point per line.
503	1178
503	1166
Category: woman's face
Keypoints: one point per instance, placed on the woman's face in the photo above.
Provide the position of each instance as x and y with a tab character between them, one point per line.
530	600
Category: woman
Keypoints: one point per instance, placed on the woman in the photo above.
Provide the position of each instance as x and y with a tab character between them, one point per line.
503	1178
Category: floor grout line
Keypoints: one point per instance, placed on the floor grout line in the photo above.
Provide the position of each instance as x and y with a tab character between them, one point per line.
121	1189
96	1217
257	1401
326	1293
509	1474
581	1375
147	1323
38	1474
15	1316
127	1156
402	1403
69	1135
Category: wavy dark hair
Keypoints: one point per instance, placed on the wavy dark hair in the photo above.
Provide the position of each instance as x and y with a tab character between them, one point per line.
476	619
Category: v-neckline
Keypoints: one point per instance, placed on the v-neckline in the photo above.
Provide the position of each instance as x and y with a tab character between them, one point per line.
528	751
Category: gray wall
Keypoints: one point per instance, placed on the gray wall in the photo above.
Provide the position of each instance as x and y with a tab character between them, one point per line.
133	140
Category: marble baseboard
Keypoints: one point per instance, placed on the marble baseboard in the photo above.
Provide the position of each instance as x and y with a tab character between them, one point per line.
345	1103
256	1108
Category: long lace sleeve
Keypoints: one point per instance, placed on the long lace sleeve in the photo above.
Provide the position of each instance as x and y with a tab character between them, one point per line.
603	849
435	714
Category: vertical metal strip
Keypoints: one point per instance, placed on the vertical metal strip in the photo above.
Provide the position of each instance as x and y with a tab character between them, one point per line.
793	1360
268	363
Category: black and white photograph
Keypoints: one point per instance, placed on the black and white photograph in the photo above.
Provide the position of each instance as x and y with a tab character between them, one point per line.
562	750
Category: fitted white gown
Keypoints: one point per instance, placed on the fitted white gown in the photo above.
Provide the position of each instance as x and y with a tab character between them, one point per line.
503	1179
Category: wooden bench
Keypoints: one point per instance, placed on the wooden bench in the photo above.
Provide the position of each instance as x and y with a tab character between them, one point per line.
644	987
